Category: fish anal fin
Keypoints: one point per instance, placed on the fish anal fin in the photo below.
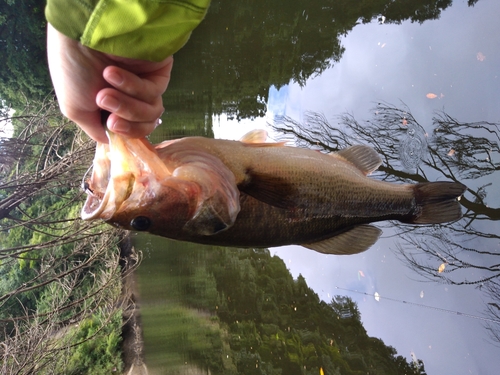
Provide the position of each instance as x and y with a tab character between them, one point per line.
365	158
353	241
270	189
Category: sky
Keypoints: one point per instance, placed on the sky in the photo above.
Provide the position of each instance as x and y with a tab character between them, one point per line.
6	129
457	58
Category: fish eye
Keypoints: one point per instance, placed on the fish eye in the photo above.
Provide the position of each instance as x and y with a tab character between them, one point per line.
140	223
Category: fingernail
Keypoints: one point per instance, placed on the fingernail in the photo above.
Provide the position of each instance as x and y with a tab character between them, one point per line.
115	78
110	103
119	126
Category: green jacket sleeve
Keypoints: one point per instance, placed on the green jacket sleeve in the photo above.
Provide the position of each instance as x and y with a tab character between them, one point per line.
141	29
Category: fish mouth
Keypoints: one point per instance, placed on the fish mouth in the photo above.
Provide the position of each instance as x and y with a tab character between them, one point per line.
119	171
97	187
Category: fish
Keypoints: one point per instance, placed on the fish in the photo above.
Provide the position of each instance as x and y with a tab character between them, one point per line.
253	193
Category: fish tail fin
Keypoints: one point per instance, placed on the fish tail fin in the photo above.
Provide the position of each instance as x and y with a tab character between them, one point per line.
437	202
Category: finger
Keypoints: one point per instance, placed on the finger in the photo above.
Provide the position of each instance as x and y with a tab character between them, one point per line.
145	86
90	122
129	108
131	129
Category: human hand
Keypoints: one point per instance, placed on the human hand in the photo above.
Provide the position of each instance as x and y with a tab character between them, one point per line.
86	81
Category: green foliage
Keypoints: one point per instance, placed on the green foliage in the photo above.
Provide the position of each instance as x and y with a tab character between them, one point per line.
94	346
24	70
55	270
188	337
263	321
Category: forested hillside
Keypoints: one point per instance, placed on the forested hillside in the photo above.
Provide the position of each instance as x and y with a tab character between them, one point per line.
262	320
24	75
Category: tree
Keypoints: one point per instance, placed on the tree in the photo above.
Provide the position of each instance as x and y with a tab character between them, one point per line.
24	70
60	278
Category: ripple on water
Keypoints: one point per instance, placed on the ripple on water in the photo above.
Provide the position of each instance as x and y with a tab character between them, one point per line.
413	147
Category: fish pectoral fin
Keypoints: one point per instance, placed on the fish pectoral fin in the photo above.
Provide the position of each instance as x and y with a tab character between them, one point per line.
365	158
354	241
271	190
211	218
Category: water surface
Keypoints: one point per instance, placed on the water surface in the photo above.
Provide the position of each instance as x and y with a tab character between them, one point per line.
417	82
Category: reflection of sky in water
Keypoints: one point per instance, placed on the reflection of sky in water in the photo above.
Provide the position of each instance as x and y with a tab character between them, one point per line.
404	63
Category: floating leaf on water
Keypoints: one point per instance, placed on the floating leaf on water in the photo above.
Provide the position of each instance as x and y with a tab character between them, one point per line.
431	95
441	267
405	121
360	273
451	152
480	56
321	372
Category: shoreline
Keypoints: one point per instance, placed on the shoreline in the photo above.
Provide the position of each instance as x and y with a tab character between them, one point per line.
132	340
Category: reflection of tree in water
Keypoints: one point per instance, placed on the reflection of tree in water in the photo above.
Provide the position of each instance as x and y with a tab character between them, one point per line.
270	322
243	48
464	152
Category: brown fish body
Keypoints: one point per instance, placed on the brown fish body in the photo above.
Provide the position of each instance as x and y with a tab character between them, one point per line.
261	195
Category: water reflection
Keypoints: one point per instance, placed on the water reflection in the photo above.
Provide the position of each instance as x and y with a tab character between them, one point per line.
239	311
228	66
462	152
242	49
227	311
461	253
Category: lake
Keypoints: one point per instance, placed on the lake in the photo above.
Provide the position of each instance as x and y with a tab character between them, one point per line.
419	82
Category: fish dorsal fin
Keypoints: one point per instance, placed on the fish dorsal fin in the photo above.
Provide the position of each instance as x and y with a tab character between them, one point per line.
254	136
257	138
354	241
365	158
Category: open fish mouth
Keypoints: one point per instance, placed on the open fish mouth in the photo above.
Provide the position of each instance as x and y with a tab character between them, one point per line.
119	171
97	186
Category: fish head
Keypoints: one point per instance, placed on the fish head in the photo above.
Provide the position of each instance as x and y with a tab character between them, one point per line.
131	187
173	192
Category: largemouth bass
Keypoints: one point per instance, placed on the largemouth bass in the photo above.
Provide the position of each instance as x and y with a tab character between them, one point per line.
250	193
